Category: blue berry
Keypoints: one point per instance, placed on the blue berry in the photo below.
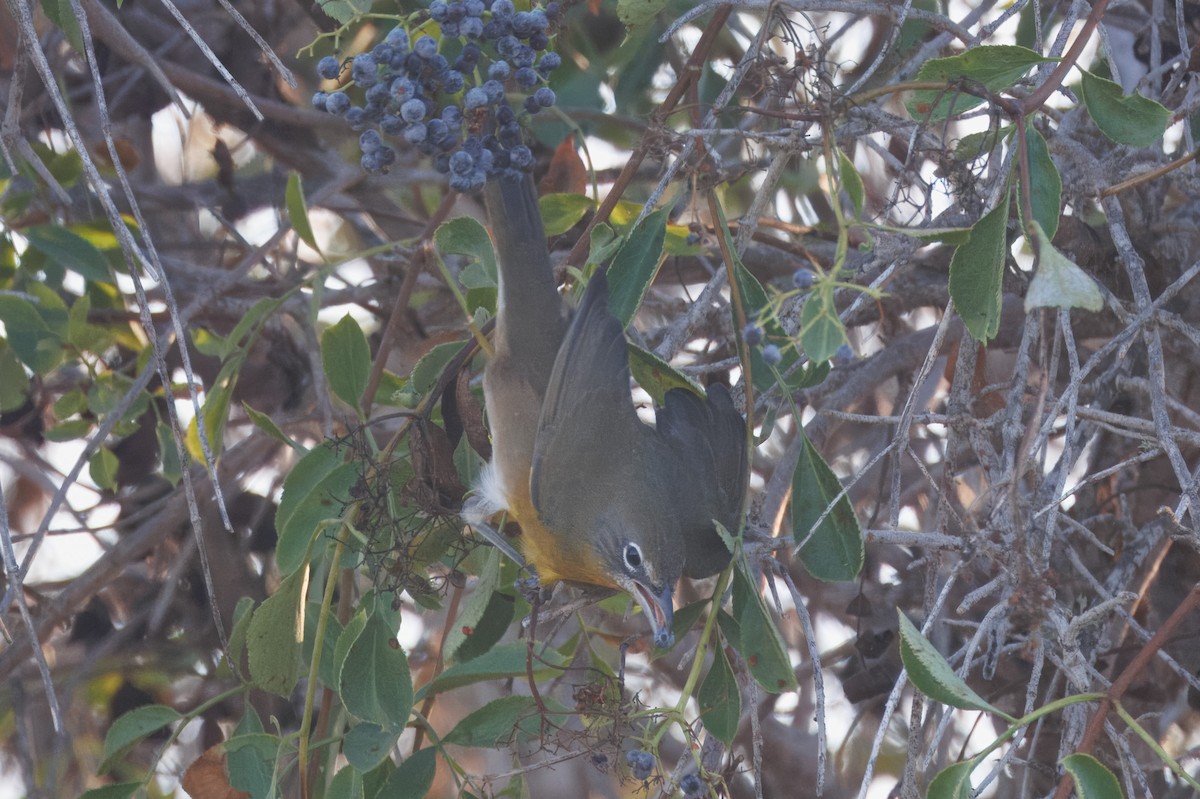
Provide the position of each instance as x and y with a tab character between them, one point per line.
522	23
475	8
523	57
364	70
844	356
521	156
544	96
426	47
539	20
451	29
377	94
499	70
752	335
475	97
385	156
526	77
507	46
318	100
471	27
370	141
337	103
531	105
539	41
549	62
415	133
462	163
471	53
453	83
329	67
382	53
692	786
397	39
403	89
641	763
392	125
494	90
503	8
803	279
460	183
439	11
771	355
369	162
452	115
413	110
438	130
356	117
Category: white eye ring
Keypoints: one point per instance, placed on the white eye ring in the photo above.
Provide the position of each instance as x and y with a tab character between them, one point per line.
633	556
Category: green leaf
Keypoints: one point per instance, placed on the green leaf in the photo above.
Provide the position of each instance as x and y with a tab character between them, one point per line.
1092	778
29	335
635	264
977	272
1058	281
69	250
315	491
561	212
215	413
242	613
996	67
952	782
835	549
133	727
348	782
932	675
720	699
251	756
1134	120
367	744
851	183
103	469
821	331
346	639
1045	184
506	660
252	320
375	683
346	358
495	723
636	13
14	383
427	371
62	14
267	425
122	790
274	635
761	643
297	209
475	607
656	376
345	10
414	777
466	236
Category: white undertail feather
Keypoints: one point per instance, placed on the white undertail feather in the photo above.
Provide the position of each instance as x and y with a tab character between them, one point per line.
488	498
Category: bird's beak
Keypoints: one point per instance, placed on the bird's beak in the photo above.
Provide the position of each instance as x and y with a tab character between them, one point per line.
659	609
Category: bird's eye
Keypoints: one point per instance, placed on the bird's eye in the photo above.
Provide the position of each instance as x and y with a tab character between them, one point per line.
633	556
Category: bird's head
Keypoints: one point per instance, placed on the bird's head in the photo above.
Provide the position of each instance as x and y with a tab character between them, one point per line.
638	559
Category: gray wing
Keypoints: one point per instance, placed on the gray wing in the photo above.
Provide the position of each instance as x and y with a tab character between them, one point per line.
706	439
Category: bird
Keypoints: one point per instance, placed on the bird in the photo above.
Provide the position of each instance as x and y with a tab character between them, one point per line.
601	497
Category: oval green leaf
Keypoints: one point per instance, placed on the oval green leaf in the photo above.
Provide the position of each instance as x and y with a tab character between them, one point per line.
133	727
1134	120
932	675
346	358
274	635
1092	778
834	551
375	682
977	272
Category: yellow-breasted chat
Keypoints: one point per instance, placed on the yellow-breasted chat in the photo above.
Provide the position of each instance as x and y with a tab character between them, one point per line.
601	497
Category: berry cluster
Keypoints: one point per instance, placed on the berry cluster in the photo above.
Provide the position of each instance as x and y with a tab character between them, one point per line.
450	99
